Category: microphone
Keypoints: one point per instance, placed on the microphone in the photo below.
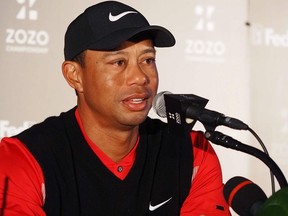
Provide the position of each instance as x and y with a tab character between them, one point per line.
158	104
174	106
195	111
243	196
248	199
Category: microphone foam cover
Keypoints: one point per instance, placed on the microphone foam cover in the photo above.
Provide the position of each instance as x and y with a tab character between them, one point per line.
243	195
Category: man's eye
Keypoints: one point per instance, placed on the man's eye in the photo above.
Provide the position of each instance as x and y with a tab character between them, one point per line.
150	60
119	63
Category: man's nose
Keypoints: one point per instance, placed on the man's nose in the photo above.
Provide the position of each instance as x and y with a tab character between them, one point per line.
136	75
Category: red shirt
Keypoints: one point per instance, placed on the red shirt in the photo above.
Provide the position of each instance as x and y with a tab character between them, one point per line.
26	191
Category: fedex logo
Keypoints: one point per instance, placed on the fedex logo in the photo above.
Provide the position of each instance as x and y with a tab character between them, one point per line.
7	130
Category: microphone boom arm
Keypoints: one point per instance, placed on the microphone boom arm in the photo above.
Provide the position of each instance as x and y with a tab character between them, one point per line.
229	142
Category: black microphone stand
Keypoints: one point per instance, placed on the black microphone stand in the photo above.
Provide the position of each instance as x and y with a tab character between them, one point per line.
229	142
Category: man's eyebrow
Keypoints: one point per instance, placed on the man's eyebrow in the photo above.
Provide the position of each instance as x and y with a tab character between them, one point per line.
149	50
116	52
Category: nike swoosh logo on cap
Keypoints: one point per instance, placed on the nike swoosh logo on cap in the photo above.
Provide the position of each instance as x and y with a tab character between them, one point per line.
153	208
119	16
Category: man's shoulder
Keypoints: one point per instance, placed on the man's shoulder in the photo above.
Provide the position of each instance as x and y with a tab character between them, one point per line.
49	130
50	125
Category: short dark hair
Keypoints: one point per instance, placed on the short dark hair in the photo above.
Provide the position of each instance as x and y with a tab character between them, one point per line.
80	59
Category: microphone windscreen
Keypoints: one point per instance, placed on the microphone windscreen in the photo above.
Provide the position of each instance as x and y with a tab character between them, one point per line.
159	104
244	196
277	204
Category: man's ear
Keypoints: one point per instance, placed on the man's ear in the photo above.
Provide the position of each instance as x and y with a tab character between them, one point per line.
72	73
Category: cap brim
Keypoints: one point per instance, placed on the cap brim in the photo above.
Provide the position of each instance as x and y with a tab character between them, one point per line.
161	38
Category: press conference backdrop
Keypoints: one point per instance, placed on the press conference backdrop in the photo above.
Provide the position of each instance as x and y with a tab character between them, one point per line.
233	52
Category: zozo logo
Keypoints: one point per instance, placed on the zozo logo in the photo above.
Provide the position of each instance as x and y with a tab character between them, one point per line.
23	40
205	49
28	37
200	47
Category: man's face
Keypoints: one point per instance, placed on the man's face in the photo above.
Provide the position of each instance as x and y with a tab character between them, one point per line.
119	86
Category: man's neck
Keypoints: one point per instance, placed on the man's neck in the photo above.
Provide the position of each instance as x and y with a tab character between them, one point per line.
116	145
114	142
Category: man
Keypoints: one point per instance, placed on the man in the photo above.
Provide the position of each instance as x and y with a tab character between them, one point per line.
105	156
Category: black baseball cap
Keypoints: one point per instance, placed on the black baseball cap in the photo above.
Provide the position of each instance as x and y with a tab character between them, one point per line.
104	26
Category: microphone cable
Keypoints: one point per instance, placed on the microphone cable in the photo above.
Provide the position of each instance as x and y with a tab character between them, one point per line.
266	151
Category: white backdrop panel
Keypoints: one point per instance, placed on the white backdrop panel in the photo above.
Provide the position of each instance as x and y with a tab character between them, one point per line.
241	68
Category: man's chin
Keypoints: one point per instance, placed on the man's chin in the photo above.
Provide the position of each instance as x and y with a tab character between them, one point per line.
136	120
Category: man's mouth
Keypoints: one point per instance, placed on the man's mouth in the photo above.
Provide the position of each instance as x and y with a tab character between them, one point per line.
137	100
135	103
